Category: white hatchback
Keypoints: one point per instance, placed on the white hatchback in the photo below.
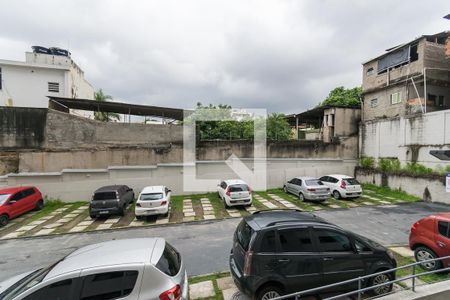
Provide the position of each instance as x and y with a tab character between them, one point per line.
235	192
153	200
342	186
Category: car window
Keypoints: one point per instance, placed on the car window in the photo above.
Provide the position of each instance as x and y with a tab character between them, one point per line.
351	181
324	178
295	240
27	192
170	261
238	188
311	182
3	198
108	286
334	180
223	185
297	181
151	196
105	196
17	196
332	241
268	243
244	234
361	247
58	291
443	228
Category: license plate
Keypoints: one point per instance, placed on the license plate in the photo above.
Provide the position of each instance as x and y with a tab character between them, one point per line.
104	212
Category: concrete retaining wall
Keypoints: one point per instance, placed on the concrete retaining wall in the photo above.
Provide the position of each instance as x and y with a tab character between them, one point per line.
427	188
78	185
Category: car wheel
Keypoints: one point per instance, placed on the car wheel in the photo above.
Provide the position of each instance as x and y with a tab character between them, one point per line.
301	197
4	220
424	253
269	292
92	216
39	205
139	218
336	195
379	279
285	189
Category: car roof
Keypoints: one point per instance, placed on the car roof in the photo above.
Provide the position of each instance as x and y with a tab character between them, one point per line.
116	252
305	177
109	188
11	190
339	176
155	188
263	219
442	215
235	181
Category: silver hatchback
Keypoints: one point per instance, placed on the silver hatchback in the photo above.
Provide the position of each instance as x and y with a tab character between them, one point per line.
307	188
131	269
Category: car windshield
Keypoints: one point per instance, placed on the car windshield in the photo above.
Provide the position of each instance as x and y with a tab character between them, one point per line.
151	196
3	198
351	181
238	188
26	283
105	196
313	182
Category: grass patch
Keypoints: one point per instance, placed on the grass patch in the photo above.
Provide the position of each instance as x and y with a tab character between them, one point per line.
176	215
306	206
383	192
217	204
213	278
429	278
49	206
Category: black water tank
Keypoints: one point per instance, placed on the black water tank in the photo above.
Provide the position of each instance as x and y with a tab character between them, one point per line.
40	49
59	51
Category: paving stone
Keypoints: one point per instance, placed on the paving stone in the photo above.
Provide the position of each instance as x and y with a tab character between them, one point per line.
187	201
188	219
202	289
209	217
270	204
12	235
112	220
85	223
45	231
46	218
334	206
78	228
71	215
225	283
189	214
403	251
26	228
38	222
367	203
188	210
352	204
52	225
207	208
162	221
65	220
316	207
104	226
136	223
385	202
204	199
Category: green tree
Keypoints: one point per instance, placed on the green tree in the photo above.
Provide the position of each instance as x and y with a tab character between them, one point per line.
278	127
100	115
343	97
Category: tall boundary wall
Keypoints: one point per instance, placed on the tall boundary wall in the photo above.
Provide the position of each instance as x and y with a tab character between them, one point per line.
71	185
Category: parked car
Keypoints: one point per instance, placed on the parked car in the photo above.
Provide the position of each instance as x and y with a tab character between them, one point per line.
307	188
430	238
18	200
153	200
281	252
235	192
111	199
145	268
342	186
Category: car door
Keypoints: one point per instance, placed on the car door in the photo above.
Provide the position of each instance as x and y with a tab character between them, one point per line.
289	185
340	260
298	186
443	238
29	201
17	207
221	189
297	260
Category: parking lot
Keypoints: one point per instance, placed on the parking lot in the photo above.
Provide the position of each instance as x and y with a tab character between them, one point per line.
59	218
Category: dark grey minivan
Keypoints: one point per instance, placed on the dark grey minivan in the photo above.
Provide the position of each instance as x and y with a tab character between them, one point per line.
286	251
110	200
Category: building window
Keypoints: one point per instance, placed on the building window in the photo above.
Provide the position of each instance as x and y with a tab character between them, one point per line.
370	71
374	103
53	87
395	98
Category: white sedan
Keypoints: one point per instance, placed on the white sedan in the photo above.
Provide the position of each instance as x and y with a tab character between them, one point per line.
342	186
153	200
235	192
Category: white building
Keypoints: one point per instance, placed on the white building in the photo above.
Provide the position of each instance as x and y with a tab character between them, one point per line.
27	84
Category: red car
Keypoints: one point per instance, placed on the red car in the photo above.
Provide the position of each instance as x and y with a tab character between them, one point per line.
430	238
17	201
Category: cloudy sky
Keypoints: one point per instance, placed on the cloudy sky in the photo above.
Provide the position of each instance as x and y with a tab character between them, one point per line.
281	55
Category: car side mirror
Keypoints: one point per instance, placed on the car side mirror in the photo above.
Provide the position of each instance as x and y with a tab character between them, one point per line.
11	202
169	191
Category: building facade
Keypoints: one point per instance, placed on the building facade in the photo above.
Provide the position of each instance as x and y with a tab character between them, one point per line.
29	83
409	79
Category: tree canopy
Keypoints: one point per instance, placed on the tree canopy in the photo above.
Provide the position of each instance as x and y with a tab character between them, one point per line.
343	97
100	115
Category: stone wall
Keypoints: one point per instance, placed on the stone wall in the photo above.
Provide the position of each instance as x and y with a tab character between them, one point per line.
427	188
78	185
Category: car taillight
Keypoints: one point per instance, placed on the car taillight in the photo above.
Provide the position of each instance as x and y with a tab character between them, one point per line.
248	263
138	204
311	190
228	191
163	202
343	184
414	227
172	294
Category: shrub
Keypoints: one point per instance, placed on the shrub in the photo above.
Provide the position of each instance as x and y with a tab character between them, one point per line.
367	162
391	165
417	169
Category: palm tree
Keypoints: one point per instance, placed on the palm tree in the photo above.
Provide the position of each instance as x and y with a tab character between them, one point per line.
104	116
